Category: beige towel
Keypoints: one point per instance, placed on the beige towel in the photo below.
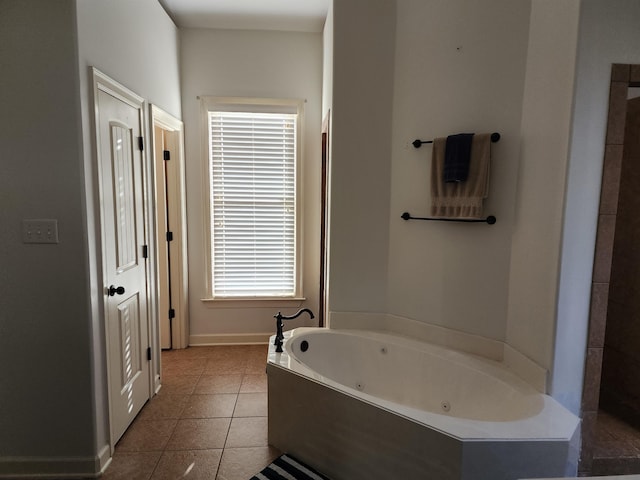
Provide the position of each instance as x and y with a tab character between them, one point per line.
462	199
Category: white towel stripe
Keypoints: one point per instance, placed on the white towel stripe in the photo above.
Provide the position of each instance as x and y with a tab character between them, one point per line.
281	472
295	464
260	476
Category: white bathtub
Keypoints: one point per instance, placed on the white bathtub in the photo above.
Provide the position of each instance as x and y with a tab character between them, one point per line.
361	404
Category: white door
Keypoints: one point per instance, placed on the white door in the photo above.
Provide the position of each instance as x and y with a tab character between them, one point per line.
168	133
164	255
119	126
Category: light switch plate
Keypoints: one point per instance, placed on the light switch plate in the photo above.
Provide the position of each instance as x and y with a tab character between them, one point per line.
40	231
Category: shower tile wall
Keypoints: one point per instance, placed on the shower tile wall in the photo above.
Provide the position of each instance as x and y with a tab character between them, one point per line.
620	78
620	388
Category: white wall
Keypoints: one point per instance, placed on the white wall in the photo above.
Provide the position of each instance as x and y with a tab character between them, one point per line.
251	64
46	408
327	109
327	62
52	371
136	44
363	39
608	34
546	124
460	67
505	281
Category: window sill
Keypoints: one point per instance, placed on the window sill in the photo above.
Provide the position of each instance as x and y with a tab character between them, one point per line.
252	302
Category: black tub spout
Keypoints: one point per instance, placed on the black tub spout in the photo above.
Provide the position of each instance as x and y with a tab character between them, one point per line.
279	318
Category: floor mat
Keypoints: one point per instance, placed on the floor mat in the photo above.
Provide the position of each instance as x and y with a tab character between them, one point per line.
286	467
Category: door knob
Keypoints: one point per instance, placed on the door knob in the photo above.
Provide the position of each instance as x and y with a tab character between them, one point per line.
113	290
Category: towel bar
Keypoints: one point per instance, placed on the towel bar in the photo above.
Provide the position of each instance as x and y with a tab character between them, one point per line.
490	219
495	137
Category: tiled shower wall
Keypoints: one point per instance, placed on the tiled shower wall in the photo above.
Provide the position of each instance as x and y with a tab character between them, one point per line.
620	389
621	77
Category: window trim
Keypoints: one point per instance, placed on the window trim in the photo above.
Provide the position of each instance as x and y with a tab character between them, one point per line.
249	104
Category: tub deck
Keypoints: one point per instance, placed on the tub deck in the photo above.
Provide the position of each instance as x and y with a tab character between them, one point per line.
349	435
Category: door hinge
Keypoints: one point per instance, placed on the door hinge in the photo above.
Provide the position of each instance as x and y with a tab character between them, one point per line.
145	251
172	313
166	155
169	236
149	353
140	143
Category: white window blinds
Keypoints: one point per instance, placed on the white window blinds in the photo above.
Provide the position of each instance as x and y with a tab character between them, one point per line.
253	201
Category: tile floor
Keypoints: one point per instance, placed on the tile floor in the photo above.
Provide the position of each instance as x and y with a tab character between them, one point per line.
209	420
617	447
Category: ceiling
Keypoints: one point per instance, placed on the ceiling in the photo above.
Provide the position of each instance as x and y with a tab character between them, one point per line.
288	15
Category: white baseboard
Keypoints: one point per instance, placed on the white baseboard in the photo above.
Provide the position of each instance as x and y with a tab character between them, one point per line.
59	468
230	339
104	458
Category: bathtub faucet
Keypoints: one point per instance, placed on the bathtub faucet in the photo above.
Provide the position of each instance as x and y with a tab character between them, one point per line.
279	318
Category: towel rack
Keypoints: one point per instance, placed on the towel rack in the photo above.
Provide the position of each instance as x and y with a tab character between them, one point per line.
490	219
495	137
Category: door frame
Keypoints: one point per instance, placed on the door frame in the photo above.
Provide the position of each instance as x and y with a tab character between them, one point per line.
104	83
177	219
324	220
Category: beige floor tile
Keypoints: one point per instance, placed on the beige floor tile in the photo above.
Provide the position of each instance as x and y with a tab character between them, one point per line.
219	384
256	368
185	366
146	435
231	351
255	383
255	351
225	365
257	361
199	433
178	384
210	406
202	385
184	353
243	463
247	432
190	465
262	348
164	406
132	466
251	405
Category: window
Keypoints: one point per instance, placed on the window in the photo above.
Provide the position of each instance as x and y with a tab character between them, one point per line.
253	150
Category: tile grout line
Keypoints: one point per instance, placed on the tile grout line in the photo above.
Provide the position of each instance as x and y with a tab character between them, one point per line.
224	446
249	368
164	449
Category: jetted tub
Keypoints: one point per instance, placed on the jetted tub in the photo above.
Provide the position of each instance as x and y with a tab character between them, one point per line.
365	405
